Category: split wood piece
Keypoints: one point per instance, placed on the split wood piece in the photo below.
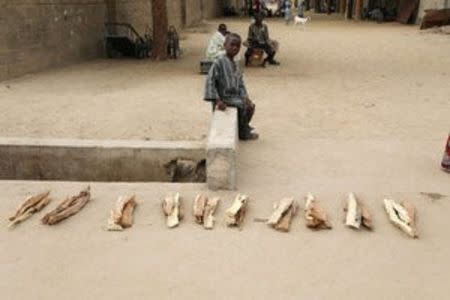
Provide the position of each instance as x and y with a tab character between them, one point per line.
357	213
172	210
122	215
210	209
315	215
68	207
282	216
234	216
402	215
30	206
199	208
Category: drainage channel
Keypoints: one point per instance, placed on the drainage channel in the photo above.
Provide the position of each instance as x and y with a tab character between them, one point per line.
102	160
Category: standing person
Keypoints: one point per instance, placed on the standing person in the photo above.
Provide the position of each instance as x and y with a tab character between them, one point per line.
301	8
287	6
216	46
446	160
225	87
258	37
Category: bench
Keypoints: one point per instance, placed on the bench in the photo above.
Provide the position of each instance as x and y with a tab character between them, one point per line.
221	152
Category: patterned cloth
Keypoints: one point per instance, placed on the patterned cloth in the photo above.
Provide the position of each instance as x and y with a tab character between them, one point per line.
225	81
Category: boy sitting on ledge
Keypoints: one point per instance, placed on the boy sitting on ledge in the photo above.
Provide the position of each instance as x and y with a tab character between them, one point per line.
225	87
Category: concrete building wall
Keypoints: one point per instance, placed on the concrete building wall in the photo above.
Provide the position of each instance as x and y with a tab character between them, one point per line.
38	34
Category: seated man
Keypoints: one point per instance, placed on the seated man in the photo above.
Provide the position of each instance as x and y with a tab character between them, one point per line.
258	37
225	87
216	43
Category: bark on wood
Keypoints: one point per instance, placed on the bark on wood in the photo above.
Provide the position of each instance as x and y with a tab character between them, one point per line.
234	216
122	215
315	215
30	206
402	216
357	213
68	207
210	209
160	29
171	207
282	216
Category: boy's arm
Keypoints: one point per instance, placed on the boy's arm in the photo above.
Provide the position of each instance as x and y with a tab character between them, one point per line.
211	92
242	89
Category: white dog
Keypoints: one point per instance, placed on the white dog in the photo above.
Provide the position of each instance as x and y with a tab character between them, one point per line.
299	20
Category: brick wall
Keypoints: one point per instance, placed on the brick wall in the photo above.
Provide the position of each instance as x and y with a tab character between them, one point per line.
39	34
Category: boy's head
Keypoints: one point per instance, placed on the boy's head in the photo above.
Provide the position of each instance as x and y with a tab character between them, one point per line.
223	29
232	44
259	18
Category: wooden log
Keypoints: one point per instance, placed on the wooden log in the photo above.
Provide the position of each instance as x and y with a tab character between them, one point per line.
367	220
199	208
400	216
284	224
234	216
280	209
30	206
171	208
315	215
68	208
210	209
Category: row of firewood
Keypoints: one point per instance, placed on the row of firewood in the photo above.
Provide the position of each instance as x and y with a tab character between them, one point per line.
356	215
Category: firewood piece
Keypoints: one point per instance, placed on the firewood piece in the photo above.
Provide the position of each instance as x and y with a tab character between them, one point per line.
68	207
234	216
401	216
210	208
412	213
315	215
122	215
280	209
357	213
127	214
30	206
199	208
285	222
171	208
353	217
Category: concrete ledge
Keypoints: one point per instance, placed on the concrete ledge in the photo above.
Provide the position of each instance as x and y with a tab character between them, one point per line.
93	160
222	150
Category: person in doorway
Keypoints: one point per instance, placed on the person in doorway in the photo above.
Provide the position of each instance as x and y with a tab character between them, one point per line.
225	87
258	37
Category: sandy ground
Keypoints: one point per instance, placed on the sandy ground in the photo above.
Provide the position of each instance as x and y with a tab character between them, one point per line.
362	107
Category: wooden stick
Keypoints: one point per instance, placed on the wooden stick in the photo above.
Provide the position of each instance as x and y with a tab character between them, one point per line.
199	208
68	207
315	215
234	216
210	208
403	218
30	206
171	208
